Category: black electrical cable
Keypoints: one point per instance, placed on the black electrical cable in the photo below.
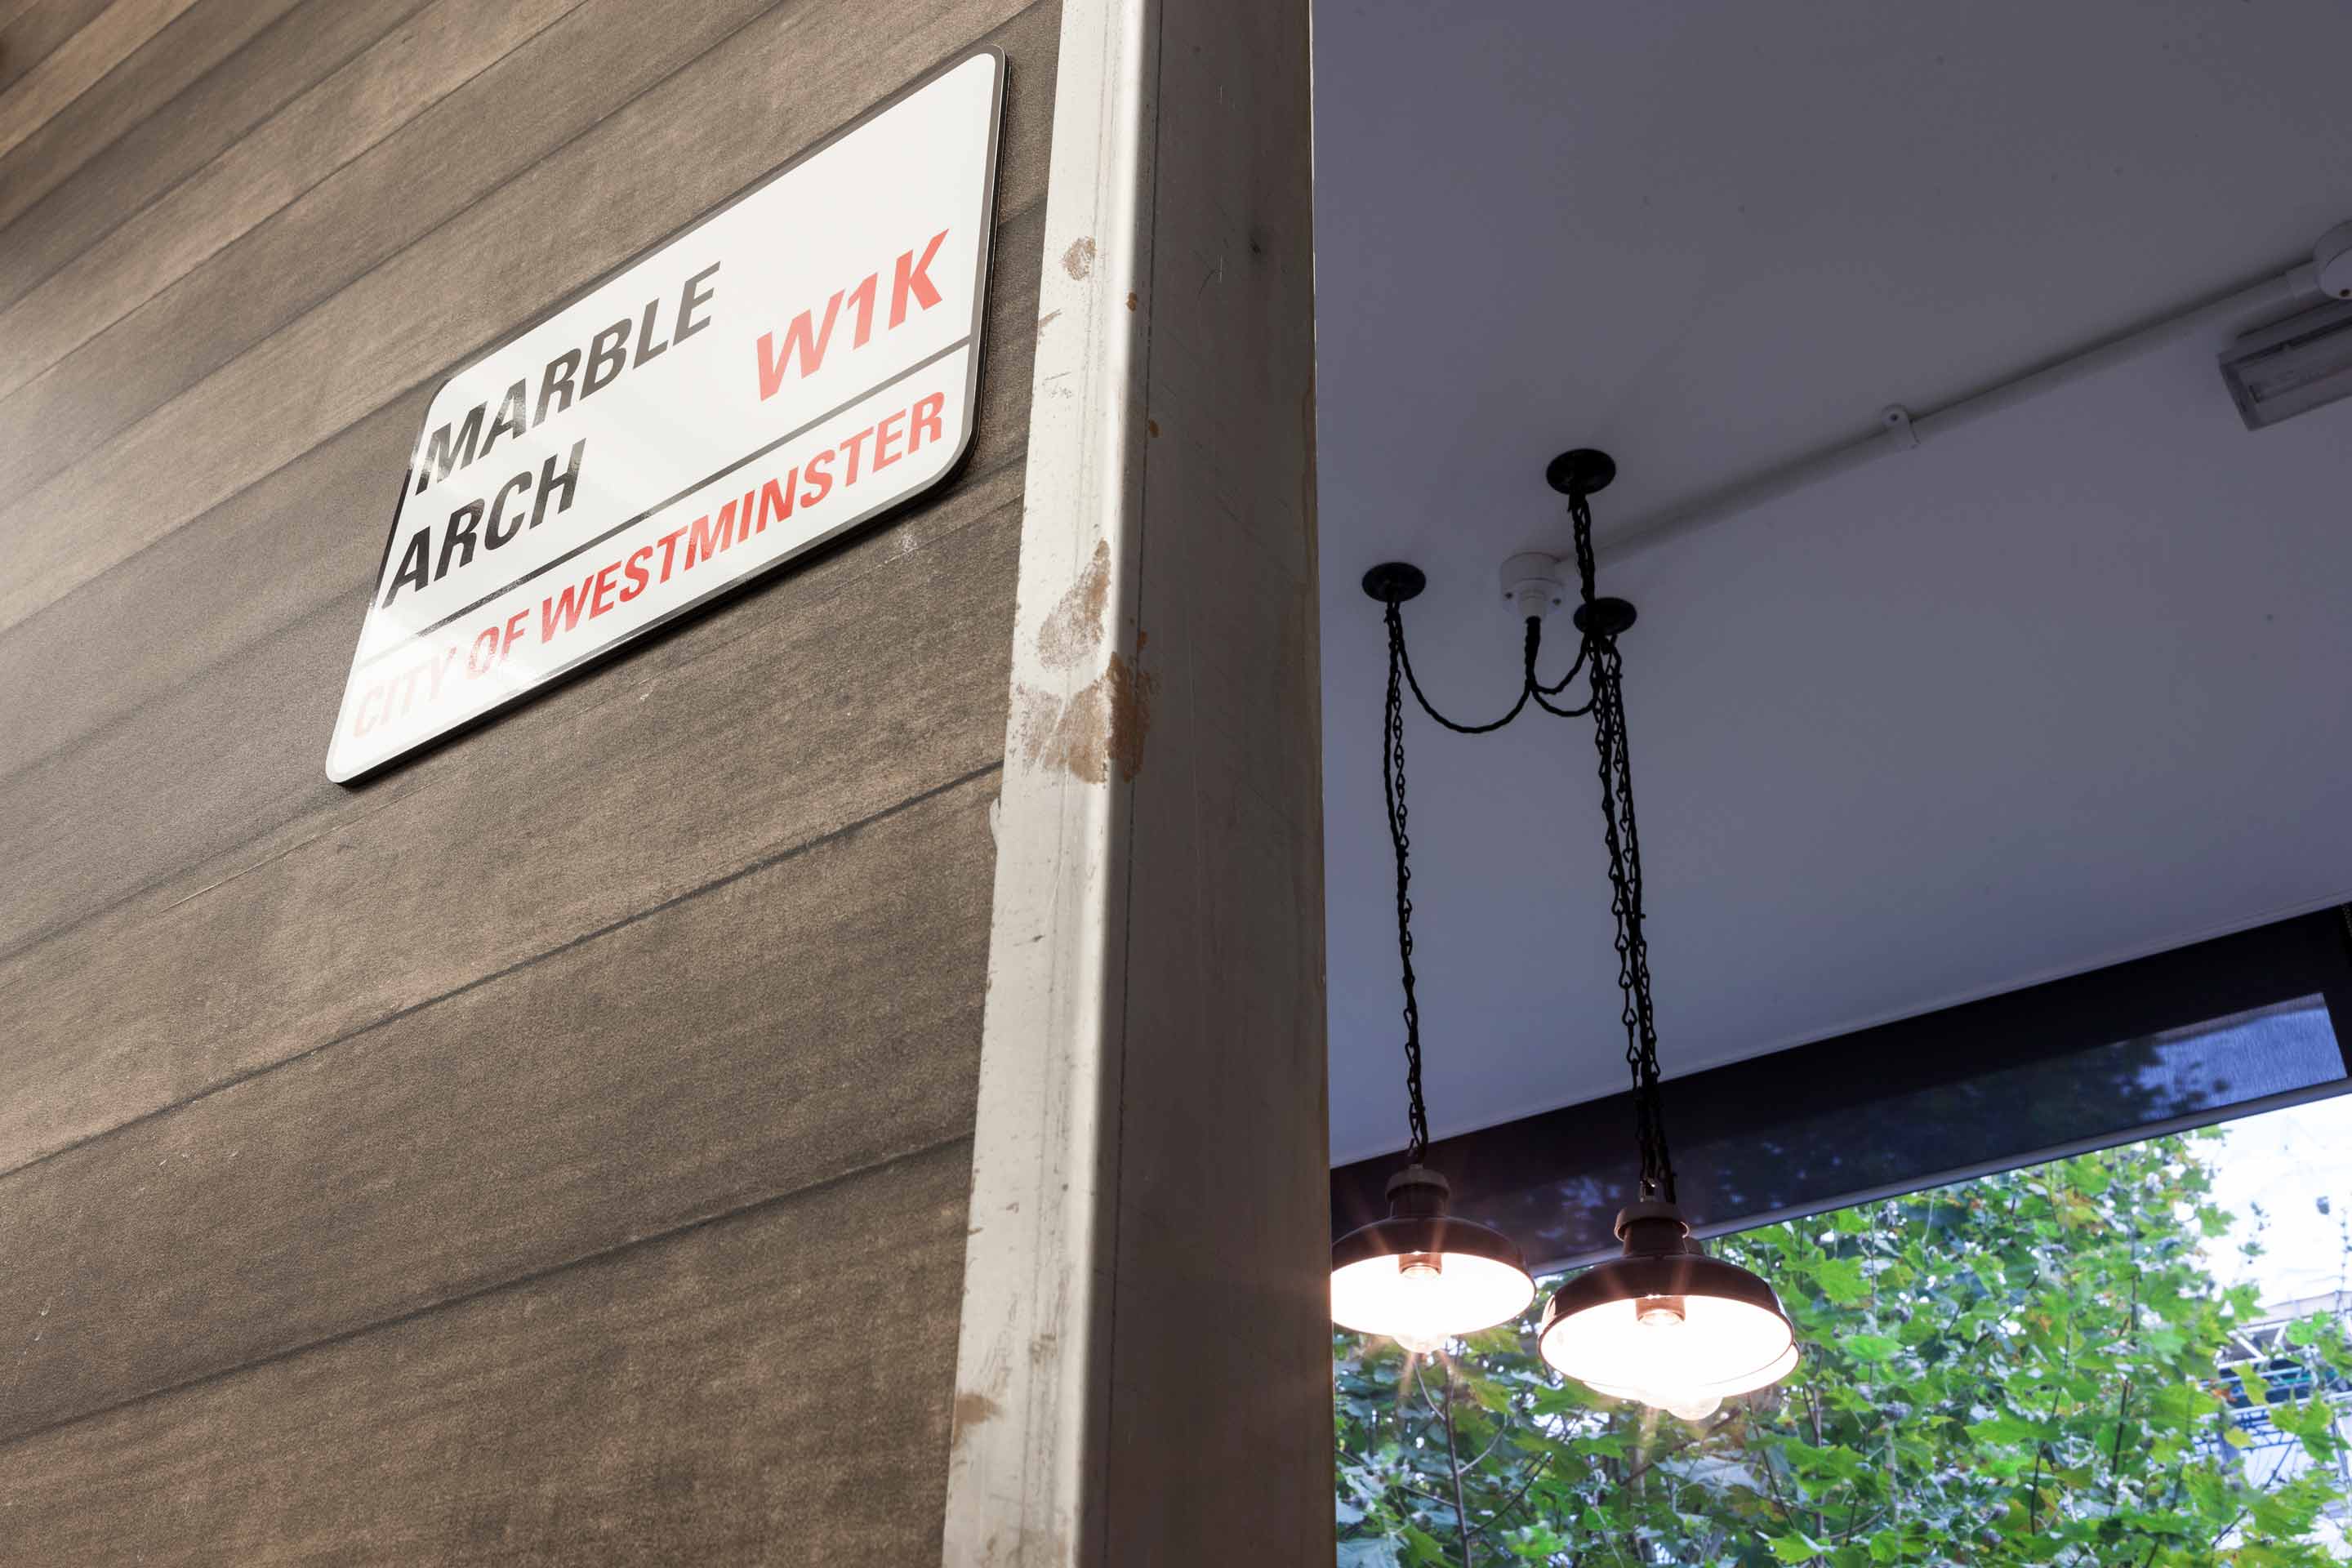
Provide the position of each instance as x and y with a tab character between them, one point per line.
1554	689
1530	689
1397	653
1577	713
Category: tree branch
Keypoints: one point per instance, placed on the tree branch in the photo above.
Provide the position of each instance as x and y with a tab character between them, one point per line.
1513	1501
1454	1458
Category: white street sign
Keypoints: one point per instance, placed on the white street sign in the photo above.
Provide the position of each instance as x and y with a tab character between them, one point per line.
791	365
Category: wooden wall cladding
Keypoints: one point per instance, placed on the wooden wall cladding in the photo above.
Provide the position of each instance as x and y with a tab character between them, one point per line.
714	1397
556	1148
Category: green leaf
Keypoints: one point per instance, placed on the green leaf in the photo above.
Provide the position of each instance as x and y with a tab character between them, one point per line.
2006	1429
1872	1348
1840	1279
1797	1547
2180	1404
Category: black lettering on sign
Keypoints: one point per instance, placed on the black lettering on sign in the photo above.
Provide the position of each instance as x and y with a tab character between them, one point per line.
491	524
574	374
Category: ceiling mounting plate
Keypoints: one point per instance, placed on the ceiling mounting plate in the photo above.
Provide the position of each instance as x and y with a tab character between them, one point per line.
1604	618
1394	582
1584	471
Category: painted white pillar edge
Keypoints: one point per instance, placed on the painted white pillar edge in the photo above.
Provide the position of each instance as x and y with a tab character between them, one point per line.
1028	1396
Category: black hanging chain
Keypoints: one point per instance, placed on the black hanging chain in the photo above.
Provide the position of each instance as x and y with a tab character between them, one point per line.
1393	787
1624	840
1402	678
1597	651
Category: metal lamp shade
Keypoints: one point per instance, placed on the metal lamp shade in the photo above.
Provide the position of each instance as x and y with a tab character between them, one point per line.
1732	1336
1422	1278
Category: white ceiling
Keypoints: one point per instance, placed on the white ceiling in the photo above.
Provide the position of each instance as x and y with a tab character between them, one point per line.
2067	687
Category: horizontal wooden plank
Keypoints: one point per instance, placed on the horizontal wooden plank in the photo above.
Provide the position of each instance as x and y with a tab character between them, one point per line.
773	1387
46	229
440	49
483	134
814	1017
36	29
9	11
247	628
668	155
804	712
235	576
72	67
206	34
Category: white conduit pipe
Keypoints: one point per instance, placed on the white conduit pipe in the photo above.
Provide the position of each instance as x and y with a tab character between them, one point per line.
1901	430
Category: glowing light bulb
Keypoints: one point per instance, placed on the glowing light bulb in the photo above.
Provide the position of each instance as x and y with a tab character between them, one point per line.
1660	1316
1420	1304
1663	1339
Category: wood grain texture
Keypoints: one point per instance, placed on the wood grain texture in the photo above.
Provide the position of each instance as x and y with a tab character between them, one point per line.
1150	1143
45	230
554	1151
72	67
430	55
802	715
770	1388
250	725
482	134
235	576
34	29
655	163
205	35
814	1017
1223	932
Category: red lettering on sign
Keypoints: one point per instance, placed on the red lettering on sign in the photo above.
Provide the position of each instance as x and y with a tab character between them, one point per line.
639	576
805	340
604	587
705	538
819	478
802	337
927	417
776	500
565	606
914	281
515	623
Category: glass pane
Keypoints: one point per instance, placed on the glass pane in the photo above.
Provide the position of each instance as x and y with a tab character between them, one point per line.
2113	1358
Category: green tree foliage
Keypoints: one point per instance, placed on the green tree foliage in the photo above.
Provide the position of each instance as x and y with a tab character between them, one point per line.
2016	1370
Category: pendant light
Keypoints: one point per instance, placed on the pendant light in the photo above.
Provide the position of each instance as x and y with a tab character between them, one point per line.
1423	1275
1663	1324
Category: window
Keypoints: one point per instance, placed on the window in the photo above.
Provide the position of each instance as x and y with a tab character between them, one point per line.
2135	1355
